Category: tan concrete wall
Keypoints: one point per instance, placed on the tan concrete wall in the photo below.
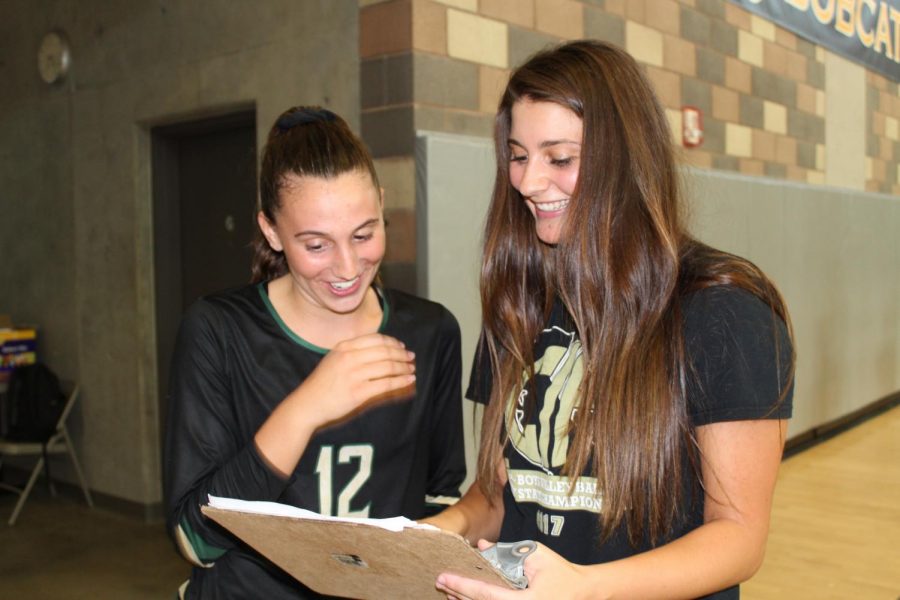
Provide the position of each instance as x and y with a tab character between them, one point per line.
75	194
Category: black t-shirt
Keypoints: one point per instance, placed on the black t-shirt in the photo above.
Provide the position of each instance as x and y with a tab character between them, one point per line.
235	361
730	343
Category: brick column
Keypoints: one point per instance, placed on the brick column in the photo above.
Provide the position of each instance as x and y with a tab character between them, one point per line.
425	66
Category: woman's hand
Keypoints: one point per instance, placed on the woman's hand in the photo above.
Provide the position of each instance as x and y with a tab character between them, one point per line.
474	516
549	576
356	373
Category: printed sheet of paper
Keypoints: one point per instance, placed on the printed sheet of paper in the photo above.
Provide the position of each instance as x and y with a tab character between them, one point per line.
286	510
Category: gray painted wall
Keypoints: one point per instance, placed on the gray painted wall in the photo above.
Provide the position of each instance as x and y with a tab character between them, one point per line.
834	253
835	256
75	195
454	179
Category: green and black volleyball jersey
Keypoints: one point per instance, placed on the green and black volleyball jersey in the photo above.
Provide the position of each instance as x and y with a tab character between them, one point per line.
234	362
730	342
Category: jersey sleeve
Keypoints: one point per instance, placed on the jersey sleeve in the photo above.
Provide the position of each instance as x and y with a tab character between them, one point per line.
447	458
206	451
739	358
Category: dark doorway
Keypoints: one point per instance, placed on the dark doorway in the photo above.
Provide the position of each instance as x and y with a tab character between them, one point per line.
204	194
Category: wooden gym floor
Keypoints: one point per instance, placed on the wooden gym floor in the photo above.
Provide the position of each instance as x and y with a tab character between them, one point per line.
835	529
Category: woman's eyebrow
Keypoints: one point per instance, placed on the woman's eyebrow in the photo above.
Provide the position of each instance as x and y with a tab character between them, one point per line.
548	143
368	223
315	233
310	232
545	143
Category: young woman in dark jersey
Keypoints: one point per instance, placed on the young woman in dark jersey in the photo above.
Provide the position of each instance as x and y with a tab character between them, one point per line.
312	386
637	382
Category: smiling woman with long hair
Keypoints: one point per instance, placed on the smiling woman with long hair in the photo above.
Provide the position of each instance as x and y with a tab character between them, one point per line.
637	382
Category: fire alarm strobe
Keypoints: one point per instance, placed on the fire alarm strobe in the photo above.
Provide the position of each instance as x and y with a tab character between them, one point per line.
691	126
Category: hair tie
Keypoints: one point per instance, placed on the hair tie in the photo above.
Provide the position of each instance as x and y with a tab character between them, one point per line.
304	116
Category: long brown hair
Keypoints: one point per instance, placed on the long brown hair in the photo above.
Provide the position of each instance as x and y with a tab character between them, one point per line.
305	141
623	263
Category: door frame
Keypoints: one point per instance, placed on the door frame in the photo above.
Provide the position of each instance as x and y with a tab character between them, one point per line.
166	238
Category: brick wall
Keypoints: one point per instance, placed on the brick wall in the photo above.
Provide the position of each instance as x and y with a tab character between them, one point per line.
882	135
440	65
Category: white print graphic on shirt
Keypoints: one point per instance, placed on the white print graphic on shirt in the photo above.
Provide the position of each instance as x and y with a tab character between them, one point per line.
545	444
550	524
520	411
552	491
544	441
325	469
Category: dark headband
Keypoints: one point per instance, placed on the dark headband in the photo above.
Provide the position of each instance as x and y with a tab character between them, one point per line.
304	116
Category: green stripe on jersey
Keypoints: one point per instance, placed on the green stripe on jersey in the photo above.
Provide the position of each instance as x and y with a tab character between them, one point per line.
261	287
195	548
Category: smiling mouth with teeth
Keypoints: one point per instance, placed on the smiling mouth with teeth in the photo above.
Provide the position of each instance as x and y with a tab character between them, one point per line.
344	285
549	207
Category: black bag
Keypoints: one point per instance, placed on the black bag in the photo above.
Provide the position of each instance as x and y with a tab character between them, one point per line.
34	403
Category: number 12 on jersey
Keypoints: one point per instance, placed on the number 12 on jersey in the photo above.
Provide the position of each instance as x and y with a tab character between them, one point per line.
325	470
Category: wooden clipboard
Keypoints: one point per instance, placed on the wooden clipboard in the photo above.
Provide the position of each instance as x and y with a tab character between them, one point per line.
358	560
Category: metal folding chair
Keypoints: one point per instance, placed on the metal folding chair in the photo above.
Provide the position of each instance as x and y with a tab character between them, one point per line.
59	442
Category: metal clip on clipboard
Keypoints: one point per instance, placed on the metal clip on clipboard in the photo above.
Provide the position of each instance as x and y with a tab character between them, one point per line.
509	558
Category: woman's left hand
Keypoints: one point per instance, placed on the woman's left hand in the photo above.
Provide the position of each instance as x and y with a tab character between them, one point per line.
549	576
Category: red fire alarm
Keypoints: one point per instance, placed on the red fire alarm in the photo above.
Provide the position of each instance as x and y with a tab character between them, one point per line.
691	126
